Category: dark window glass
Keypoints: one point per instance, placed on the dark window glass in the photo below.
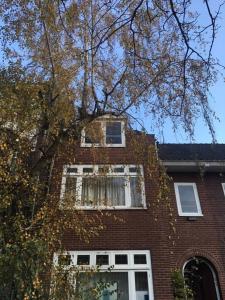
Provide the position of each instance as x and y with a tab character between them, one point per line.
64	260
87	170
113	133
83	259
71	170
141	281
140	259
133	170
102	260
118	170
121	259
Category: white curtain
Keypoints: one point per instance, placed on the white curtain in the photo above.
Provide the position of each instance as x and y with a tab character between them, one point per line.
135	189
100	191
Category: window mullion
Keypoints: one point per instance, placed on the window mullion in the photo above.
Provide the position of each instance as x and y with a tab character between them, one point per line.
79	189
63	187
103	125
131	284
127	192
142	185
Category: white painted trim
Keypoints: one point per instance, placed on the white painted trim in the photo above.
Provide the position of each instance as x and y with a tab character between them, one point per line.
193	163
177	194
130	268
131	286
103	144
194	166
125	174
223	186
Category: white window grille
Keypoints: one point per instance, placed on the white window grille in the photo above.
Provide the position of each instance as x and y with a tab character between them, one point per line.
127	274
104	133
103	186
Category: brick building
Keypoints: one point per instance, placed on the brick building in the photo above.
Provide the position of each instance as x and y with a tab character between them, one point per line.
109	173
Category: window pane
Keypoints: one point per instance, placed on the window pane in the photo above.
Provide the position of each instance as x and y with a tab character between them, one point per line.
71	170
88	170
133	170
140	259
118	170
136	195
100	191
70	189
93	133
103	286
187	199
83	259
141	285
103	170
121	259
64	260
102	260
113	133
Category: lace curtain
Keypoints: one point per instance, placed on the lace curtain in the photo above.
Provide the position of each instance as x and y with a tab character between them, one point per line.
103	191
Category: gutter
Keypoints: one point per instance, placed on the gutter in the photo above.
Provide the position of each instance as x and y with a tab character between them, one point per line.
193	166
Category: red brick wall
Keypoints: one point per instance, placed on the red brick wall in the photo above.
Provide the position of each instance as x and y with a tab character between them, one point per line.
139	230
206	235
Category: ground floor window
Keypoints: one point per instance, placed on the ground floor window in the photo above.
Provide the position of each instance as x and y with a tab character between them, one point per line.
118	275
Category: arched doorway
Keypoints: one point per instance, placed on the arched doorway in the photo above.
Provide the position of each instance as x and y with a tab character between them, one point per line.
201	277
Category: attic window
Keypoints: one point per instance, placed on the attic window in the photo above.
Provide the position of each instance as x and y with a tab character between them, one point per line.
113	133
104	133
93	133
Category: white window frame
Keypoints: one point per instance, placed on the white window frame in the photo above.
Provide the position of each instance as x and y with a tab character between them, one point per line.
223	187
130	267
127	174
177	194
103	127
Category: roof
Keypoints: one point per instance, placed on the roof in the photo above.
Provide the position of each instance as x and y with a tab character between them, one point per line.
191	152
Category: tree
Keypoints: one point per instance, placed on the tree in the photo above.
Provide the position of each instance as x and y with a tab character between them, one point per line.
67	63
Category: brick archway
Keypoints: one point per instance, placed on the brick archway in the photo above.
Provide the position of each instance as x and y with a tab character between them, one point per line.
209	269
192	252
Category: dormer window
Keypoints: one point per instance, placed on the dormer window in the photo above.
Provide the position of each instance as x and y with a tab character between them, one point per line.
113	133
93	134
104	133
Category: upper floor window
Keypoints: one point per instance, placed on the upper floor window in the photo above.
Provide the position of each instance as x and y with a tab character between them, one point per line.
188	203
104	133
223	186
103	186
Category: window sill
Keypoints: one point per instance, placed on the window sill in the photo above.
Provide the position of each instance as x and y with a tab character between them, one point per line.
106	208
191	215
103	146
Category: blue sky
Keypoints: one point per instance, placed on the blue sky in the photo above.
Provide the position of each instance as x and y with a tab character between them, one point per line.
216	99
